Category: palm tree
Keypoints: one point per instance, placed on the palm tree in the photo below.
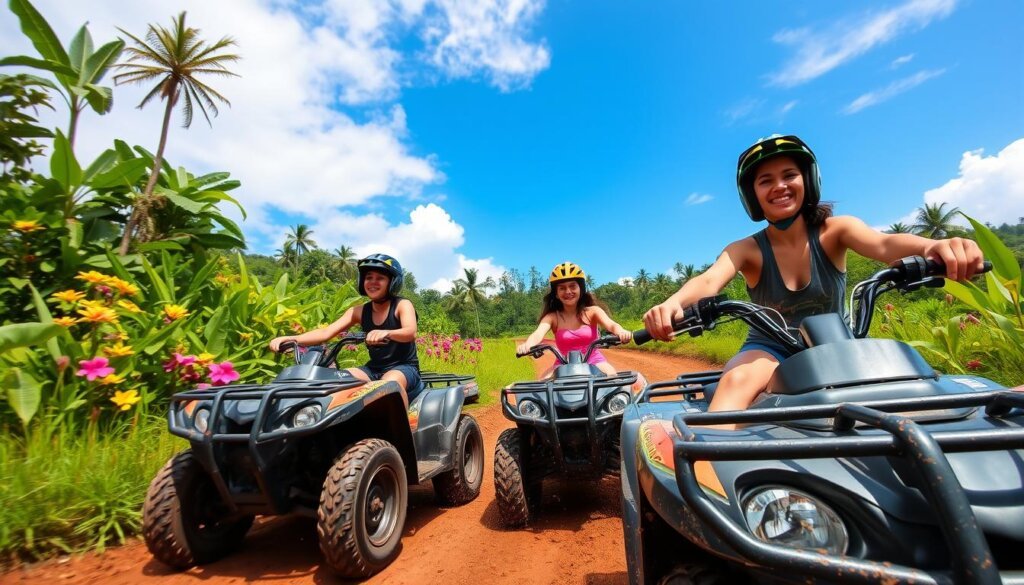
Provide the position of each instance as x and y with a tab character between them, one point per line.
173	58
286	255
933	222
684	272
301	239
899	228
468	291
346	261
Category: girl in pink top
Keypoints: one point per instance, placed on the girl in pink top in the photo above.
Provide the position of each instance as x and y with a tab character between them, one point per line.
571	312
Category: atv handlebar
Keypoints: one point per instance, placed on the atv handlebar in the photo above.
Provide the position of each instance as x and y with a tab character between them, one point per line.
332	354
907	274
539	349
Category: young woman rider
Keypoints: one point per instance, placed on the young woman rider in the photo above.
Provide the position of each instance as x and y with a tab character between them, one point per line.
796	265
572	313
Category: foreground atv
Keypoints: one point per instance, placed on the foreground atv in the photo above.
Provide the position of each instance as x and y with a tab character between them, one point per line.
566	426
315	442
859	464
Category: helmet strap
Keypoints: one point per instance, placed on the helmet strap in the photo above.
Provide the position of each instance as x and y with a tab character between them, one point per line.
784	224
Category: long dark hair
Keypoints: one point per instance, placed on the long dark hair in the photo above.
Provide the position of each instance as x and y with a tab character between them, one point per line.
815	215
587	299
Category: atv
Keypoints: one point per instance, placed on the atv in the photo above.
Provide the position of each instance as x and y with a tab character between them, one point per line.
567	426
316	442
859	464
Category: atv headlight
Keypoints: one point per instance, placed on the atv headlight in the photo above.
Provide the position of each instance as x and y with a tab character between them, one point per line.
618	402
530	408
779	515
202	420
306	416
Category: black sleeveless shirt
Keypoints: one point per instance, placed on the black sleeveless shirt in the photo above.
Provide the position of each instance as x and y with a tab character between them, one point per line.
394	353
825	293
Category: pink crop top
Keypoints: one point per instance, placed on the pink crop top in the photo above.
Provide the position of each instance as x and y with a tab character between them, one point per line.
567	340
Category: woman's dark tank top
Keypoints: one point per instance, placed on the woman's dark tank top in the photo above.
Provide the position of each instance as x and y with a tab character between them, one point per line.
825	293
389	355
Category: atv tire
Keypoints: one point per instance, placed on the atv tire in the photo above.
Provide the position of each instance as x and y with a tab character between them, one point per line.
184	521
362	509
517	495
462	483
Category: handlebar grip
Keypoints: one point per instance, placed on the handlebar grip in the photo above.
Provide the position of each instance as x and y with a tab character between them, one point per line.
641	336
285	345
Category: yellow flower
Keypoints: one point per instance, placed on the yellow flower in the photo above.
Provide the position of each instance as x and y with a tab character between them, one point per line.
205	358
26	225
116	336
118	350
245	336
69	296
129	306
92	277
110	379
125	400
221	279
98	315
65	321
175	312
123	286
91	304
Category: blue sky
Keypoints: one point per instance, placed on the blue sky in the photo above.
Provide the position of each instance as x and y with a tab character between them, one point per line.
514	133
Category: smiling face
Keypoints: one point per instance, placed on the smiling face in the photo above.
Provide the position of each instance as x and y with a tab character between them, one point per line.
779	186
376	285
568	292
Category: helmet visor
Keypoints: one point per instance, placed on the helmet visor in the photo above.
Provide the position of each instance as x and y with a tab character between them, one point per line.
771	147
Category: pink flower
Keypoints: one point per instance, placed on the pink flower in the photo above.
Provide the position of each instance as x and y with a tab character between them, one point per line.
889	307
94	368
972	319
974	365
178	361
455	337
203	386
223	373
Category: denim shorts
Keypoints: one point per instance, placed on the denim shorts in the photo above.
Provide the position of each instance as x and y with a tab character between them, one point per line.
413	384
775	350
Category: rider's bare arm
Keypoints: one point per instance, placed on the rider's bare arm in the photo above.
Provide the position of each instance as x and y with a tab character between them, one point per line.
598	314
538	334
316	336
962	257
658	320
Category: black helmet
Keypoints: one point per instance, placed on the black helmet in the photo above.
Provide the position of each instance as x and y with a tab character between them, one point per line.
382	263
766	148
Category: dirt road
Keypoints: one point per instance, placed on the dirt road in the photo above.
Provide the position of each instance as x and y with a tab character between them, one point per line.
577	539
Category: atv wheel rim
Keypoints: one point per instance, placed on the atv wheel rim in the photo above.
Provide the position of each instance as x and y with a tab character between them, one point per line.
472	459
381	514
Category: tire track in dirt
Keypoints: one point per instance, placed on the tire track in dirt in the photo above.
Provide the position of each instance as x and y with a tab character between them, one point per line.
577	538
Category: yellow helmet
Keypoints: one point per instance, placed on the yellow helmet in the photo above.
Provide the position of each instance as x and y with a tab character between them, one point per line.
567	271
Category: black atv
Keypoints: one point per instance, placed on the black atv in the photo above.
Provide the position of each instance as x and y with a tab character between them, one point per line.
859	464
316	442
567	425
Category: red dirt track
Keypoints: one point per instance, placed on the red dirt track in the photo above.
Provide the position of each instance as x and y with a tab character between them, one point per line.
577	538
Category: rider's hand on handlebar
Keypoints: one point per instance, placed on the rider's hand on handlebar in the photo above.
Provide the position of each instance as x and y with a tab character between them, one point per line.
658	320
378	337
275	343
962	257
624	336
522	349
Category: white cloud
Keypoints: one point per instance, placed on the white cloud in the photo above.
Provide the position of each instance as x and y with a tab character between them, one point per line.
698	198
988	188
821	50
743	109
900	61
426	244
467	37
873	98
788	106
625	280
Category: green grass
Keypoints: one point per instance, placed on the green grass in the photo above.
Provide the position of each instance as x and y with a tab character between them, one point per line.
66	492
496	366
